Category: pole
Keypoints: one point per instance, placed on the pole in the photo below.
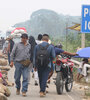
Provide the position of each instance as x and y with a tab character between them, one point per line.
66	31
83	40
66	37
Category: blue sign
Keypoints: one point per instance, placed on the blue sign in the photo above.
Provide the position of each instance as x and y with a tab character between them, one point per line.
85	23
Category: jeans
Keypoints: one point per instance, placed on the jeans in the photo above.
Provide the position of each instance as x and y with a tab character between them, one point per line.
8	57
21	70
43	77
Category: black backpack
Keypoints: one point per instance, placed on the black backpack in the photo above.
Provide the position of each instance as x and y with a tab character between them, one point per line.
42	56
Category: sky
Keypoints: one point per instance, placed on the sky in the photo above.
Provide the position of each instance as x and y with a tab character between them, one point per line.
15	11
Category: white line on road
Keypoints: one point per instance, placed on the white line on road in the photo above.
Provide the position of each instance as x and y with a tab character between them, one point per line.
69	96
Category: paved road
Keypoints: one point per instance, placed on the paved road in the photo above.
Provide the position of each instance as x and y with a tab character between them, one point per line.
33	92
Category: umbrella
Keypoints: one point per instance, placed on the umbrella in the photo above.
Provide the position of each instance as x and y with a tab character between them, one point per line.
83	53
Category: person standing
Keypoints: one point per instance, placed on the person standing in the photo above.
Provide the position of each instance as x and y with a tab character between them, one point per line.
33	44
10	47
5	47
43	56
20	57
38	41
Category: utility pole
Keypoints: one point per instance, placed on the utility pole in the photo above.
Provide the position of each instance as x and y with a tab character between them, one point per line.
67	32
66	35
83	40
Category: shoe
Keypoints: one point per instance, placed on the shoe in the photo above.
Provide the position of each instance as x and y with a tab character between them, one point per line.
46	91
24	94
18	92
42	94
48	81
36	84
47	86
33	75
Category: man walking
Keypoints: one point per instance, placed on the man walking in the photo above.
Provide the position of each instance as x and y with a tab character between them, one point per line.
20	55
43	56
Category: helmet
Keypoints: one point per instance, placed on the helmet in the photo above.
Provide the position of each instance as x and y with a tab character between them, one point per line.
59	45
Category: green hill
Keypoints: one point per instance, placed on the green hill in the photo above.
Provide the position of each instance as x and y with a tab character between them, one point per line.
50	22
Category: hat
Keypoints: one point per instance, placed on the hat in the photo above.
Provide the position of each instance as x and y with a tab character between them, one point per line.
24	35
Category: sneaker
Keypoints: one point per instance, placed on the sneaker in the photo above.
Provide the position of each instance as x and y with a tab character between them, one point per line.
24	94
42	94
18	92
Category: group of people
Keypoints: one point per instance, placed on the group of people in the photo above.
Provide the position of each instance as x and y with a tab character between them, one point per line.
33	54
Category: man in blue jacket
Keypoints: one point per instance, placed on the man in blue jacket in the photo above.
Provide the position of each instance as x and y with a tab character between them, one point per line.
43	71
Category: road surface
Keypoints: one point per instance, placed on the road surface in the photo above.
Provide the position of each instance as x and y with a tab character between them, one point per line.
33	92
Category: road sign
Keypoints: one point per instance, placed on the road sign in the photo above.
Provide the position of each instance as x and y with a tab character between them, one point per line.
85	23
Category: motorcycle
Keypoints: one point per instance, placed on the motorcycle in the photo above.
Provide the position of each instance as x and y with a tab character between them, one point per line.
64	69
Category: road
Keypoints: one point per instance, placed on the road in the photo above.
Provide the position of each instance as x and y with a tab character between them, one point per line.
33	92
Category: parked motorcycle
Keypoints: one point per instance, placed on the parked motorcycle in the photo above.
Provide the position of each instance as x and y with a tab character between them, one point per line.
64	70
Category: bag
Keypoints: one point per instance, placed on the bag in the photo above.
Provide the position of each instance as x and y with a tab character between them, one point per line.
42	56
25	63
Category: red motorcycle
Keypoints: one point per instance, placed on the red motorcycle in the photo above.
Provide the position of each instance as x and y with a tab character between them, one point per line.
64	70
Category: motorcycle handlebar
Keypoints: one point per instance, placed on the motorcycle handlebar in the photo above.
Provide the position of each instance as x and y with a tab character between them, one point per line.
67	56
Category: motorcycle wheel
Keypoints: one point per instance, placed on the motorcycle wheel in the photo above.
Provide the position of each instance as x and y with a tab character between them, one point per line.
59	83
69	83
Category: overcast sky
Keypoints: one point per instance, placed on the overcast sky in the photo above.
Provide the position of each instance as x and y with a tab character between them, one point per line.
14	11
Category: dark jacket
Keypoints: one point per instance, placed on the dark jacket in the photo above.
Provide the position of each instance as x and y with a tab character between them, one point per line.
33	44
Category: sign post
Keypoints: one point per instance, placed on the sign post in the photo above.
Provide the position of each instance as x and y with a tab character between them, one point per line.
85	23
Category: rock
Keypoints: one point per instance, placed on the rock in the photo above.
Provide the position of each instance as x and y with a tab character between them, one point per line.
3	56
5	68
4	90
86	87
3	62
1	81
4	72
9	83
2	97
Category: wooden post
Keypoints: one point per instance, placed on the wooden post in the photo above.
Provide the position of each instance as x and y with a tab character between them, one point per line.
83	40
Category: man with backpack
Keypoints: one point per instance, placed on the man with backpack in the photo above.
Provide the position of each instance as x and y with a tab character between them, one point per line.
43	56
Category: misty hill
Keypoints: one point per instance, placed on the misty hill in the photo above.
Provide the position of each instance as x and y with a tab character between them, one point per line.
47	21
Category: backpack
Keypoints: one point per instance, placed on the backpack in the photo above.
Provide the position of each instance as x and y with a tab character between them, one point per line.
42	56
